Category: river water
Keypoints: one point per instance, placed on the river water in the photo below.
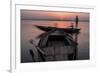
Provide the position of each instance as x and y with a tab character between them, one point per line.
29	31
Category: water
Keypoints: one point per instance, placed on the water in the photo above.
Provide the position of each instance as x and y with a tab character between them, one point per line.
28	32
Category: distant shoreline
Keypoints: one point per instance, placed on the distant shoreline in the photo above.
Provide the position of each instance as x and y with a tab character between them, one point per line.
54	20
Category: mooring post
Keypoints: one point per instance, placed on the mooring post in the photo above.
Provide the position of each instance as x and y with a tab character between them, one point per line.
76	21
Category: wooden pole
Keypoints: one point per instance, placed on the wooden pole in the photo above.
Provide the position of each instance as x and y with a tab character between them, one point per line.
76	21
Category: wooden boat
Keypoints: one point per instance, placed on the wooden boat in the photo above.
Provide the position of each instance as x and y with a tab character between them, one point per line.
67	30
57	45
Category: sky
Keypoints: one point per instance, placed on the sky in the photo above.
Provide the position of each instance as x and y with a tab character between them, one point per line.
33	14
45	18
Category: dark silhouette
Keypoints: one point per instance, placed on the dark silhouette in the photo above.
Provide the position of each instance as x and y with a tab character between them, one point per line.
76	21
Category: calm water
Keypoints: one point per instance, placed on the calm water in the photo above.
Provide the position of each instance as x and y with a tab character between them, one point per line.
28	32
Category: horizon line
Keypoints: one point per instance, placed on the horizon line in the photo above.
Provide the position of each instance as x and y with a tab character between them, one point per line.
54	20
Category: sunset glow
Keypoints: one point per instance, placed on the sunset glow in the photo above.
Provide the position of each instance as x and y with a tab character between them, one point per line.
61	25
60	15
